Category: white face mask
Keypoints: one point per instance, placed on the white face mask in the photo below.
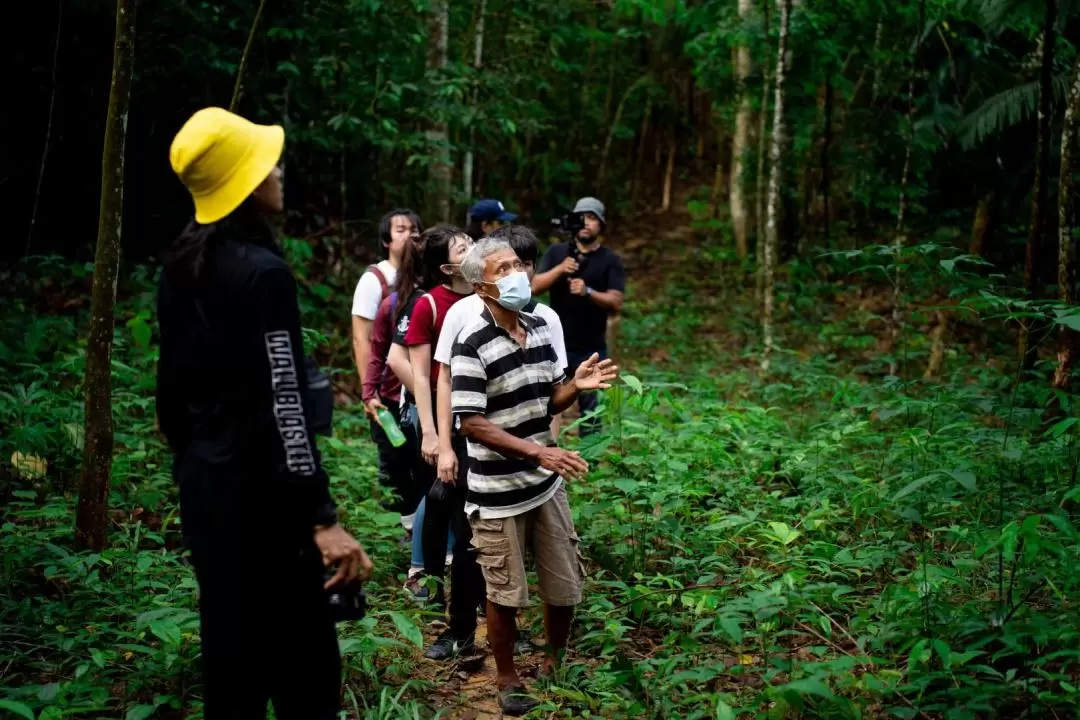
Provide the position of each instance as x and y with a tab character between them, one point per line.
514	290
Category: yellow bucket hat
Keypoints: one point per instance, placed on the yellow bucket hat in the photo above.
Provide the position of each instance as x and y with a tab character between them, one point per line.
221	158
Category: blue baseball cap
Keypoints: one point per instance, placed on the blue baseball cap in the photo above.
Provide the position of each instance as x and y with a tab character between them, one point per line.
488	210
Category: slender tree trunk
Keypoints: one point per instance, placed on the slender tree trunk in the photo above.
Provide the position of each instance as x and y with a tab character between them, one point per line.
937	345
478	57
901	213
763	137
48	125
876	86
614	124
1036	245
719	178
771	242
92	514
636	181
826	147
1068	339
739	140
238	86
440	169
669	174
980	226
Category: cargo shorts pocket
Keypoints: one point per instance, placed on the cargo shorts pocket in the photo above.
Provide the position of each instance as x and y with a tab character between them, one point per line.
492	551
575	541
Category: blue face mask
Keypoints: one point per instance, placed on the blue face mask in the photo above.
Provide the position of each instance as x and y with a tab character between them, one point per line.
514	291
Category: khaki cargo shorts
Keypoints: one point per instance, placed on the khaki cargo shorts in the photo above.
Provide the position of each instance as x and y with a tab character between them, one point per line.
548	532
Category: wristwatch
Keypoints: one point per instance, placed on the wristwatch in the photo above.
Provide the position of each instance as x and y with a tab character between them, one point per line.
588	291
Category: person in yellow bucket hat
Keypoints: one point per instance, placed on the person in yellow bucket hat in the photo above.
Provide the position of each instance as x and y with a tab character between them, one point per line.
235	403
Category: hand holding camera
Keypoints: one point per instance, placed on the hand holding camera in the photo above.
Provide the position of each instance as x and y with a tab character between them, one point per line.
341	549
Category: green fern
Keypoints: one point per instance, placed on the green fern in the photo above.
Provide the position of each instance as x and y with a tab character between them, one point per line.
1004	110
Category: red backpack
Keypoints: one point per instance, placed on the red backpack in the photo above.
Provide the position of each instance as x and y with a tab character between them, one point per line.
385	286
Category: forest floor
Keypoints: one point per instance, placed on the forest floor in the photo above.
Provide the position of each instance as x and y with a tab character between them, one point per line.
827	540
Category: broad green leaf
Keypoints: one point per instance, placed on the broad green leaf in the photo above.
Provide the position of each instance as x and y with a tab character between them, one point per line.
808	686
18	708
633	382
627	485
912	487
140	331
965	478
140	712
407	628
724	711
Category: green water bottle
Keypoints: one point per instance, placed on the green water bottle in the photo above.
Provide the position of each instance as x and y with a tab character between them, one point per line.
390	427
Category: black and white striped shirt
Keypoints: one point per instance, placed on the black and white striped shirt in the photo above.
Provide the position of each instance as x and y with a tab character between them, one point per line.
510	385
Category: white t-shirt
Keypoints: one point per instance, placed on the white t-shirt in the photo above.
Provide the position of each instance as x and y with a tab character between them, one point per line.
368	293
467	309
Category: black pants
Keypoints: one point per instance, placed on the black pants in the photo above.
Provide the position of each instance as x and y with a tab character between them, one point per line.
587	402
396	465
466	580
267	634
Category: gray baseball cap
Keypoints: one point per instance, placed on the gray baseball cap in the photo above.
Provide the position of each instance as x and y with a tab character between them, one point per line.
591	205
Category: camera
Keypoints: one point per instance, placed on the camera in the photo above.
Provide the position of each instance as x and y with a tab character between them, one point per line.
571	223
347	601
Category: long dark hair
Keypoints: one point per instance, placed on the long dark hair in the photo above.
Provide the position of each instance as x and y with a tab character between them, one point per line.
186	259
437	254
408	276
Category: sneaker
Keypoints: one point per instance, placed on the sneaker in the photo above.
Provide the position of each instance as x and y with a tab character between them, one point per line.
416	587
516	701
448	646
449	559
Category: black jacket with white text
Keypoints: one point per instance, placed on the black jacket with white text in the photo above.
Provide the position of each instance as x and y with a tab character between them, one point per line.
232	399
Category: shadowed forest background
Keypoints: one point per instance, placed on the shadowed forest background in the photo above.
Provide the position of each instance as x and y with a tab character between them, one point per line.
840	476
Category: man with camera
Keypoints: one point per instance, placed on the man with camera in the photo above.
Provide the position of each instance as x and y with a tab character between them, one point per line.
587	283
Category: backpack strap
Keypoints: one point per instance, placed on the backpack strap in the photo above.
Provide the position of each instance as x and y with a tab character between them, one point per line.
434	310
385	286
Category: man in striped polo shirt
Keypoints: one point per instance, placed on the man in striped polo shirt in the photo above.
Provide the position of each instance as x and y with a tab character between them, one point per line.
506	384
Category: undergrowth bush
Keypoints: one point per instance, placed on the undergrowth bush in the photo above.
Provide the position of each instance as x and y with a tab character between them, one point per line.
826	541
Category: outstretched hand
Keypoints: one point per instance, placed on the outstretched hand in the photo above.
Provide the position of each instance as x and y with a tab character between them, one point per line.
595	374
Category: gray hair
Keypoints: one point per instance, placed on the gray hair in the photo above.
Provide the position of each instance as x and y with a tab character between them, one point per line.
472	267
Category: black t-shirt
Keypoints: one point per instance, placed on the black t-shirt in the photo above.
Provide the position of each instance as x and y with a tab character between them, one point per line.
584	322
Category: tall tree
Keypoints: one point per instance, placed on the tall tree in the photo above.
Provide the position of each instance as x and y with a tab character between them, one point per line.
900	238
1036	242
1068	338
478	58
762	138
438	137
739	140
91	518
772	212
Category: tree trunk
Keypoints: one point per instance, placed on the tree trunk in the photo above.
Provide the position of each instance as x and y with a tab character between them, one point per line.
763	128
719	178
826	147
876	86
937	345
478	57
48	125
615	124
244	57
92	514
737	196
669	174
901	212
980	226
1068	339
771	242
636	180
1033	260
438	139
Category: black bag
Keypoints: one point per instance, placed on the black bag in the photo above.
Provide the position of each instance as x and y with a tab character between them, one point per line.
321	395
